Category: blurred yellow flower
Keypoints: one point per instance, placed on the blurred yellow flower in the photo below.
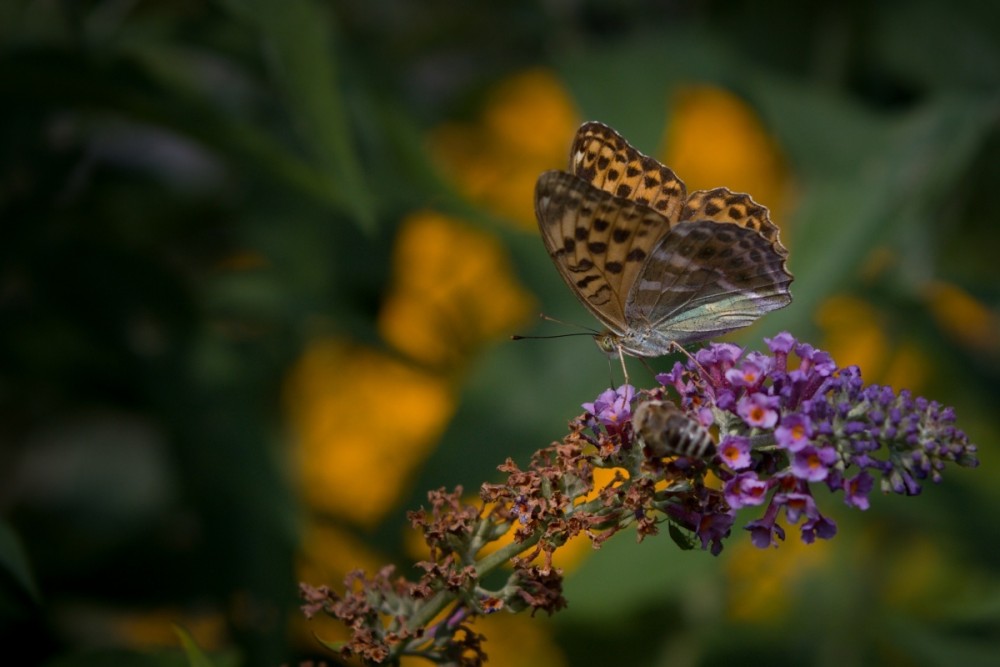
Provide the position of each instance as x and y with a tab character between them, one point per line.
519	641
715	139
908	367
363	421
452	290
919	575
526	129
962	317
854	334
512	641
144	629
762	582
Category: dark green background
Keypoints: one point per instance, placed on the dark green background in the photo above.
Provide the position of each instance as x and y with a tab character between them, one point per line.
144	144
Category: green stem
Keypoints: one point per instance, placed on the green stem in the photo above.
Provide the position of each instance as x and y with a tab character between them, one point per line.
429	609
432	607
504	554
762	440
424	613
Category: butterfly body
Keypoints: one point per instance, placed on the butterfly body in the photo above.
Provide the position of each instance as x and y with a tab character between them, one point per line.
656	266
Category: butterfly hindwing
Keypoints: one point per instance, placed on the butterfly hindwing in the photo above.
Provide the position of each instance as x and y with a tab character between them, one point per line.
726	206
705	279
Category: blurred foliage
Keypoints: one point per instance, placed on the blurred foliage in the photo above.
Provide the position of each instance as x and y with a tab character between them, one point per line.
259	259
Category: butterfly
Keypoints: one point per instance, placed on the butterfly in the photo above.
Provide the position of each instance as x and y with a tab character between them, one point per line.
657	266
665	430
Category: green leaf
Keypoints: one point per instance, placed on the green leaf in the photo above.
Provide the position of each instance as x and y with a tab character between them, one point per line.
966	53
681	538
299	42
935	644
15	561
138	88
195	656
624	575
333	646
916	163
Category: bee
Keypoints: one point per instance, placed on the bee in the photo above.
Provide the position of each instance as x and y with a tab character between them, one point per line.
667	431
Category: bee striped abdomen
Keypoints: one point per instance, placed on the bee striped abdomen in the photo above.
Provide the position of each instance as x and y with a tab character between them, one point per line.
667	431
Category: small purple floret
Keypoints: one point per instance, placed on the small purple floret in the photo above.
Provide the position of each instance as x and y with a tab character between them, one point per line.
758	410
746	490
613	407
735	451
795	432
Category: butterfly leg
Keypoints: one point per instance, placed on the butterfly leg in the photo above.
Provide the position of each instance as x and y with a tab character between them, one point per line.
621	357
687	354
611	374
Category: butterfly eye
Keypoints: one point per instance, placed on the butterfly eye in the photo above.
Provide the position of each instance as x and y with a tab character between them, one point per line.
607	342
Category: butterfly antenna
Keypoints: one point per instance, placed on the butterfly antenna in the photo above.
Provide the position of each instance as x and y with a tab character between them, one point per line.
566	335
587	331
548	318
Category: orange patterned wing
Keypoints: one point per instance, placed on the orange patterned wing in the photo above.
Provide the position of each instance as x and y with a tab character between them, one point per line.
657	267
605	159
599	242
723	205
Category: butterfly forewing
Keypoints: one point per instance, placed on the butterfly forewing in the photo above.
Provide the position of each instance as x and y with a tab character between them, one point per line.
598	242
604	159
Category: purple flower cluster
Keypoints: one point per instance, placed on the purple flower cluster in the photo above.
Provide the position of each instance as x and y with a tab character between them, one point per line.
613	408
794	419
